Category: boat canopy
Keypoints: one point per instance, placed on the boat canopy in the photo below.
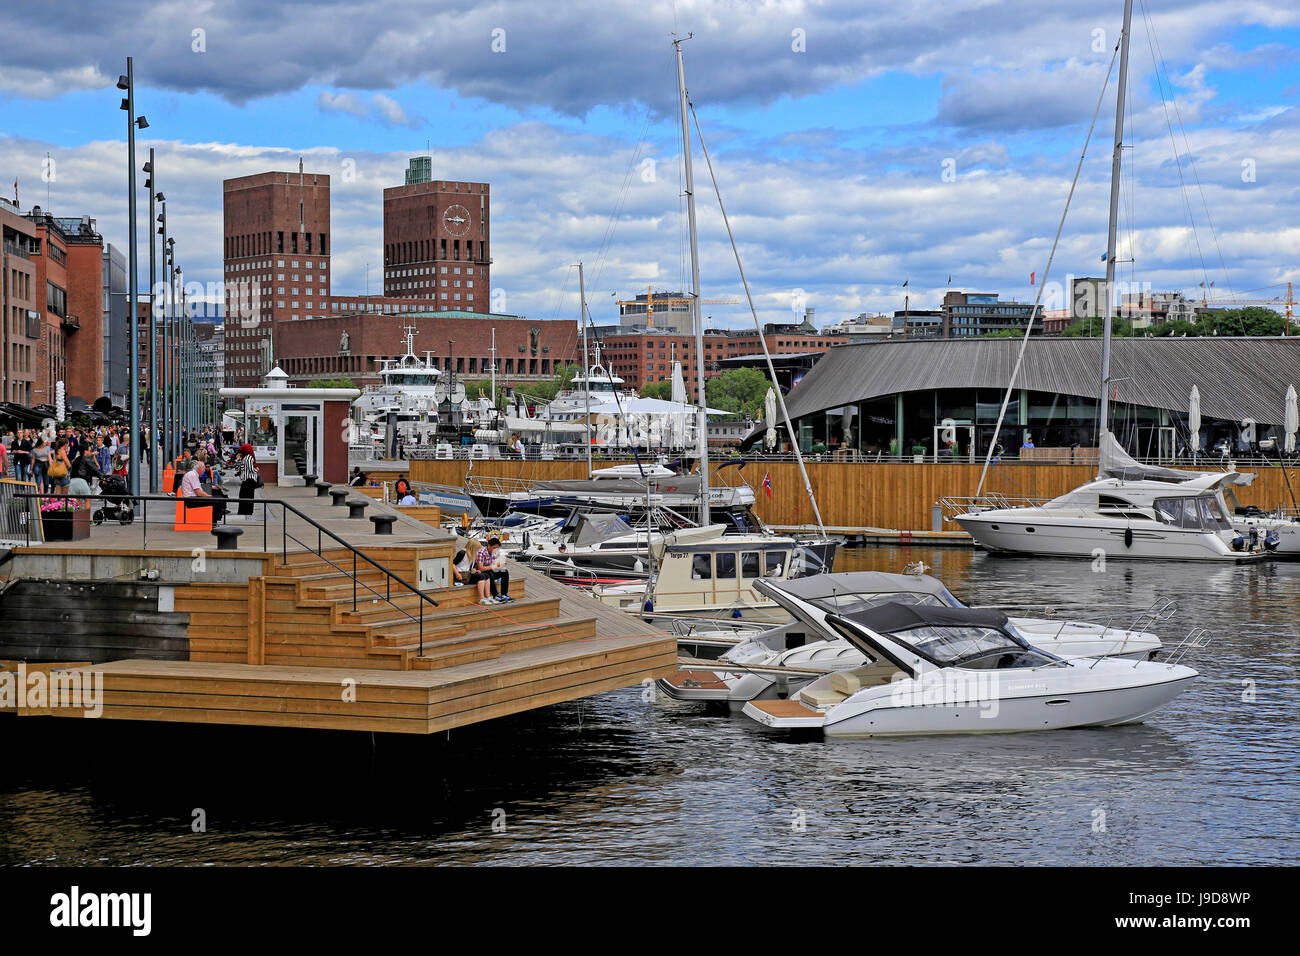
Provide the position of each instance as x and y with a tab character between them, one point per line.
893	618
596	527
840	592
1115	462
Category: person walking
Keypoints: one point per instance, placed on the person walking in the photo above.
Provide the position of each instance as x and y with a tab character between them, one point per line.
60	467
22	455
248	479
41	464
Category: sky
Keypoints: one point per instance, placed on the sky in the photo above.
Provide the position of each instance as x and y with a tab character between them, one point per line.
857	144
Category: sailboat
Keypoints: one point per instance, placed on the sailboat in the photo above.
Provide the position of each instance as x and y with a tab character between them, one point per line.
1131	510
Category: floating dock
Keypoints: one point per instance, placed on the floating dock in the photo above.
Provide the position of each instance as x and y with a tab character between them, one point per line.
295	630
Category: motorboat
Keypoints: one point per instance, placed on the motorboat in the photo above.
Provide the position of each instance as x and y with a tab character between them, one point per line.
777	663
1131	511
718	577
949	670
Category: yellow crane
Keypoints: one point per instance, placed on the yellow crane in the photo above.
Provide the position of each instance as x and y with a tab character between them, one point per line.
1275	303
668	302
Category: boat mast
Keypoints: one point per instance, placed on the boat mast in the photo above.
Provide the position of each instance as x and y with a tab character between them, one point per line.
1103	411
701	418
586	365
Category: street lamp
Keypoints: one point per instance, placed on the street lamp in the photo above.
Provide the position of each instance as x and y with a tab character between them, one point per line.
126	83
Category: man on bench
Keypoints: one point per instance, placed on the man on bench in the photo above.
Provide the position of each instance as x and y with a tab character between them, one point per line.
194	495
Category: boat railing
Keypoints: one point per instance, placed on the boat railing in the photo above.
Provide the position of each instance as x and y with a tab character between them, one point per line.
954	506
496	485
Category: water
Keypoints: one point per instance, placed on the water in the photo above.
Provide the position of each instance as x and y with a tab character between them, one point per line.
616	779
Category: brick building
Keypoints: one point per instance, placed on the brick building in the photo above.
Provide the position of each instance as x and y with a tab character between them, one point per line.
641	358
276	263
354	345
69	268
436	241
22	303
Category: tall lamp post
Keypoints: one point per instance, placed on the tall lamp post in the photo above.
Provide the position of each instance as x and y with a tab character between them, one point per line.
164	429
126	83
154	449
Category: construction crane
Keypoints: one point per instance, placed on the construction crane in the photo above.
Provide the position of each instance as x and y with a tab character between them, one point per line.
668	302
1276	303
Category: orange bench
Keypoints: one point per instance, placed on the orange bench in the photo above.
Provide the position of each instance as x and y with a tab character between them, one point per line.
192	519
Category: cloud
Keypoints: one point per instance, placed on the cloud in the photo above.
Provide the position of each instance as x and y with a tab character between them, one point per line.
383	109
846	233
574	57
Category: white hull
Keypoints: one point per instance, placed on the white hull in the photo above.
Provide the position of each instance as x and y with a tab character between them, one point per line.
1052	710
1029	531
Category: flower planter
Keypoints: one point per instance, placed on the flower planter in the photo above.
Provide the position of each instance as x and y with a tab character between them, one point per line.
66	525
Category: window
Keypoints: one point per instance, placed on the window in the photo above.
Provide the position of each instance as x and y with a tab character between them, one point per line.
701	565
773	563
749	564
725	562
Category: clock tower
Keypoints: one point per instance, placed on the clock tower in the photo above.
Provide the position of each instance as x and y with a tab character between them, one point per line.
436	241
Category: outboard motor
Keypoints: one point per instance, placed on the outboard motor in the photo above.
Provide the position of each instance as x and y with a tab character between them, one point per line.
1239	543
1254	538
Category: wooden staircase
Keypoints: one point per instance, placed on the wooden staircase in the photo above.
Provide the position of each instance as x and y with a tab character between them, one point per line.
310	612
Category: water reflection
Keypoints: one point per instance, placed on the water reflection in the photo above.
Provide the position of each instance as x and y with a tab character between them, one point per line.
617	779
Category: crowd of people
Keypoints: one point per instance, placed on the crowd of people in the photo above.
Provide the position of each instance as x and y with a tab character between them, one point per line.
72	460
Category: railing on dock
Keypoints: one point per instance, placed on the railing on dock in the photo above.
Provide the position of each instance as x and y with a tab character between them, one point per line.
130	503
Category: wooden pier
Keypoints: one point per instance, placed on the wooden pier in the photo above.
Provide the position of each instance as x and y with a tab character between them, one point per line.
291	636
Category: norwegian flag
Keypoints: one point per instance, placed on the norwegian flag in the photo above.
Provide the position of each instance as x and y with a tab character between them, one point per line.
767	484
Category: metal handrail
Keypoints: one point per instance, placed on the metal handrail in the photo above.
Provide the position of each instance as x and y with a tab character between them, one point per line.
319	551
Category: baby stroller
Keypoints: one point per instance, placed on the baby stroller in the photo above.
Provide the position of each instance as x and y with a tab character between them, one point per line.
122	509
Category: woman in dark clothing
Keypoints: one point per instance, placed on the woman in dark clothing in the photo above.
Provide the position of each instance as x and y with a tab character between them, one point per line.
247	479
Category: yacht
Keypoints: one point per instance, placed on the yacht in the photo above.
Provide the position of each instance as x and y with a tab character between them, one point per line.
1130	511
777	663
947	670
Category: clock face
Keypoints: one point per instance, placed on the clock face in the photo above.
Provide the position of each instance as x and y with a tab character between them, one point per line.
456	219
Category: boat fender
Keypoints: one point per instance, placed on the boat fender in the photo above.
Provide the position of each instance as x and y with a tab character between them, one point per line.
1128	537
736	613
649	606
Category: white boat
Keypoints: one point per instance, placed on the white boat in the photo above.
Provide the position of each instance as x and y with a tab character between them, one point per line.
776	664
943	670
718	577
1130	511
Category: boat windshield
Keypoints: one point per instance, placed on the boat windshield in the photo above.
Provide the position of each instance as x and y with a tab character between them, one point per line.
1201	513
971	647
851	603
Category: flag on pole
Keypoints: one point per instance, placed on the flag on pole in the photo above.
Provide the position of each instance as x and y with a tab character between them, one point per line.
1031	277
950	280
767	484
905	282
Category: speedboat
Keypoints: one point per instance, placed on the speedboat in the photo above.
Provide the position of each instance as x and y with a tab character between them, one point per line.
777	663
946	670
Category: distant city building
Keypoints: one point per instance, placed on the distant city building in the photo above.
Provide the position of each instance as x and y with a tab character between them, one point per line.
917	323
22	304
662	311
419	170
210	341
116	327
982	313
436	243
862	328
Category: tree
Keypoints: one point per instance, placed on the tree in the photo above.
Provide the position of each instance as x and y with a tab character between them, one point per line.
740	391
331	383
663	390
546	391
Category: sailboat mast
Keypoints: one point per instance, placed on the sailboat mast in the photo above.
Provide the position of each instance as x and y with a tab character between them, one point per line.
586	365
701	419
1103	411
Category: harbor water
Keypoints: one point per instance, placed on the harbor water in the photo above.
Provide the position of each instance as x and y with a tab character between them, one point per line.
625	779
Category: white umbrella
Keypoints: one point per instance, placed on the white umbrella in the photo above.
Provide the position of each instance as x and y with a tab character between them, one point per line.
1194	418
678	428
1291	418
769	418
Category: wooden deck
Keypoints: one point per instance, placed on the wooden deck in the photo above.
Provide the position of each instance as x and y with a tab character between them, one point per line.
298	643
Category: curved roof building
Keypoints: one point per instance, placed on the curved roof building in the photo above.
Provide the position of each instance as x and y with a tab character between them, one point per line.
893	395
